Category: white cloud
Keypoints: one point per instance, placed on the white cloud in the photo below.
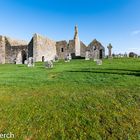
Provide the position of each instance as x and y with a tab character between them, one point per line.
135	32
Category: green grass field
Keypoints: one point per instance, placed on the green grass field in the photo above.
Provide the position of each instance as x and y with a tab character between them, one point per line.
77	100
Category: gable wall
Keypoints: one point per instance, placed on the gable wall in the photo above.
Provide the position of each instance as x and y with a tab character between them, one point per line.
43	47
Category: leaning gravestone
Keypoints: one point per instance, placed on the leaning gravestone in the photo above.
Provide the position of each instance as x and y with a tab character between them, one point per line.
49	64
99	62
87	56
31	62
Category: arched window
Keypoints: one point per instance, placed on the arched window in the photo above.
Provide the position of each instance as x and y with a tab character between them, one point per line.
62	49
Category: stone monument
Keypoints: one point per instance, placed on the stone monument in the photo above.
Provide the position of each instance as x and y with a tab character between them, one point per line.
99	62
31	62
67	59
19	58
96	54
77	42
70	57
49	64
109	51
26	62
87	57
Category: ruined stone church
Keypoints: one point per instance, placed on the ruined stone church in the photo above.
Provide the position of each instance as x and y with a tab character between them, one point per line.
42	49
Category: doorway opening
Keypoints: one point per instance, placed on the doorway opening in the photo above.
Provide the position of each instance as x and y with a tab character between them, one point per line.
24	56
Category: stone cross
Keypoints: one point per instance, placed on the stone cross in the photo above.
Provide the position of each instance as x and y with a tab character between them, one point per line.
109	51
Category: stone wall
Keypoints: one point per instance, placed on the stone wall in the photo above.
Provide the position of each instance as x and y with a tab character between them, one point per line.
72	48
62	49
30	48
13	48
43	48
97	51
82	49
2	50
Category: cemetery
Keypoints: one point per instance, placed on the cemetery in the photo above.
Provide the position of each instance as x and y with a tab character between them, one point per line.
70	70
63	90
59	100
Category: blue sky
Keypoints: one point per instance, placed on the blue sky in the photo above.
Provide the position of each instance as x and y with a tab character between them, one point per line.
109	21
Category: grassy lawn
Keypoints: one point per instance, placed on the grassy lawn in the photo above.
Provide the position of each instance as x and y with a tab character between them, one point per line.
76	100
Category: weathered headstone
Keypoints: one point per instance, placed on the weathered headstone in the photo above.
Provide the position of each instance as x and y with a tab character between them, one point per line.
55	58
26	62
31	62
70	57
96	55
67	58
19	58
87	57
99	62
49	64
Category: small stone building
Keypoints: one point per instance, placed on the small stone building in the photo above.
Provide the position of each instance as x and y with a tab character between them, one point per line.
42	49
96	50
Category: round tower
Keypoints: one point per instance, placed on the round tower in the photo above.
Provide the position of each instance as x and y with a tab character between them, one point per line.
76	42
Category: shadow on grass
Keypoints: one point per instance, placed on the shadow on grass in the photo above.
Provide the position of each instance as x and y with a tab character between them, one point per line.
109	71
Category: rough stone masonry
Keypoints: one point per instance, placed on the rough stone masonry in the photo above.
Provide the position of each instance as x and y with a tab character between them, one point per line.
44	49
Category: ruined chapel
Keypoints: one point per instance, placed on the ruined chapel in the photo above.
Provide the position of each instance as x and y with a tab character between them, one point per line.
42	49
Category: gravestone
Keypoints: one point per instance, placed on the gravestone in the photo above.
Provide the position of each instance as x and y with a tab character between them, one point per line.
19	58
26	62
31	62
70	57
99	62
55	58
87	57
67	59
49	64
96	55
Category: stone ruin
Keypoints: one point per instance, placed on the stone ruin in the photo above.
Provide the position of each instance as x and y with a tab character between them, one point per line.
41	48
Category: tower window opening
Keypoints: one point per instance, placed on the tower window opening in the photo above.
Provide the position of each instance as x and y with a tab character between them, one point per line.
62	49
